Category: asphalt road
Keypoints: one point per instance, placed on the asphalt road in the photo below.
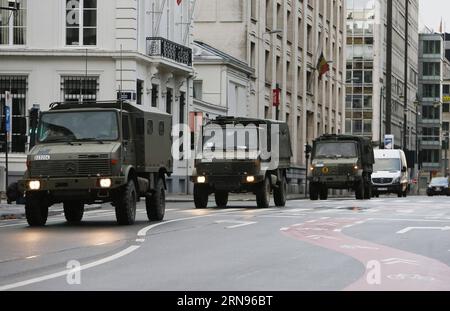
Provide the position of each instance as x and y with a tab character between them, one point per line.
340	244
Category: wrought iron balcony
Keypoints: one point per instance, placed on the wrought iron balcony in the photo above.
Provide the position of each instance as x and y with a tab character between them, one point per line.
157	46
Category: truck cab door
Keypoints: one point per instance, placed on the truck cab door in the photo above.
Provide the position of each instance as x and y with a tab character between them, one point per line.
129	152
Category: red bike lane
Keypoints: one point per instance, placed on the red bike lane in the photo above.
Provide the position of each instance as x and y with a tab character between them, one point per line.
387	268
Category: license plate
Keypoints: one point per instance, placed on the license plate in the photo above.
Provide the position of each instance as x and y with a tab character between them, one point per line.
438	189
382	189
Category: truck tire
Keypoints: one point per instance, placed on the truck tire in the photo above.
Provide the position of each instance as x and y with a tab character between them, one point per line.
126	205
221	199
36	211
359	191
156	203
73	211
280	193
200	196
313	192
323	192
263	194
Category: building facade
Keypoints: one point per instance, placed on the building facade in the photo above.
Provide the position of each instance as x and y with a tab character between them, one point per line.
282	40
84	50
434	90
221	83
366	71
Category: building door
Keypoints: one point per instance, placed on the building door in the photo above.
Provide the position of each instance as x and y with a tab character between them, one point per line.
18	86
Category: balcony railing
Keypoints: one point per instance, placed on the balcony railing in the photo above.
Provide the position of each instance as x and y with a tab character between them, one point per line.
157	46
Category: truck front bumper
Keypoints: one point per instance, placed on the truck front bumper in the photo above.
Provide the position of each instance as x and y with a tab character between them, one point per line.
67	184
229	183
335	182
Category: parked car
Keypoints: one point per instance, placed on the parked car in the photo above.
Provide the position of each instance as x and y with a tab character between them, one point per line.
438	186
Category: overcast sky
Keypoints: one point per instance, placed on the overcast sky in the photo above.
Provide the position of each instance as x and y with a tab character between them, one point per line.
431	12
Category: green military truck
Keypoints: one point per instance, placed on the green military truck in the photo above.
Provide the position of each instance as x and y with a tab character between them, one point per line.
239	155
341	162
98	152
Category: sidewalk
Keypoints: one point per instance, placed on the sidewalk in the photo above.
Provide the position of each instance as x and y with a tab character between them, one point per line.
13	211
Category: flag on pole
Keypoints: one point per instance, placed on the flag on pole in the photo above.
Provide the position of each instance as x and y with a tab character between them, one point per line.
179	2
322	66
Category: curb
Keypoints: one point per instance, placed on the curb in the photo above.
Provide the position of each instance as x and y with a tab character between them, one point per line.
50	213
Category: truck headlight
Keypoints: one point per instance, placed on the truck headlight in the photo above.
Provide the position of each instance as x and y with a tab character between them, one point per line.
250	179
34	185
105	182
201	179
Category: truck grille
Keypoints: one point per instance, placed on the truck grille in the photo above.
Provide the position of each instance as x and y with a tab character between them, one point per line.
334	171
76	168
382	181
226	168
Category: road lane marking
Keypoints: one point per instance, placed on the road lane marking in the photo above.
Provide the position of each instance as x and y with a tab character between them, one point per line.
395	261
238	223
408	229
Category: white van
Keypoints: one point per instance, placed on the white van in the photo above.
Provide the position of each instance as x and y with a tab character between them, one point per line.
390	173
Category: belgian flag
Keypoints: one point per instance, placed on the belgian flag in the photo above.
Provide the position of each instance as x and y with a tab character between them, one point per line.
322	66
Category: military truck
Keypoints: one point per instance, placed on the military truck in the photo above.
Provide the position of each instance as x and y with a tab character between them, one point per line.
239	155
98	152
341	162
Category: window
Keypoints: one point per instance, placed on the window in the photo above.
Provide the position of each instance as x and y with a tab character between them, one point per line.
149	127
446	89
13	24
431	47
446	107
198	89
446	126
161	128
431	69
154	95
431	90
169	98
430	112
81	22
79	88
17	85
253	9
139	91
125	127
140	127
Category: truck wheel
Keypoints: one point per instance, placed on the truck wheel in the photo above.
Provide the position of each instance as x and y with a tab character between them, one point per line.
263	194
73	211
323	193
359	191
200	196
221	199
156	203
126	205
313	192
36	210
280	193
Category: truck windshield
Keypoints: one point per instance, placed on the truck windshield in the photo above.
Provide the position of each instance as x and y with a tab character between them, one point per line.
336	150
386	165
78	126
230	139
